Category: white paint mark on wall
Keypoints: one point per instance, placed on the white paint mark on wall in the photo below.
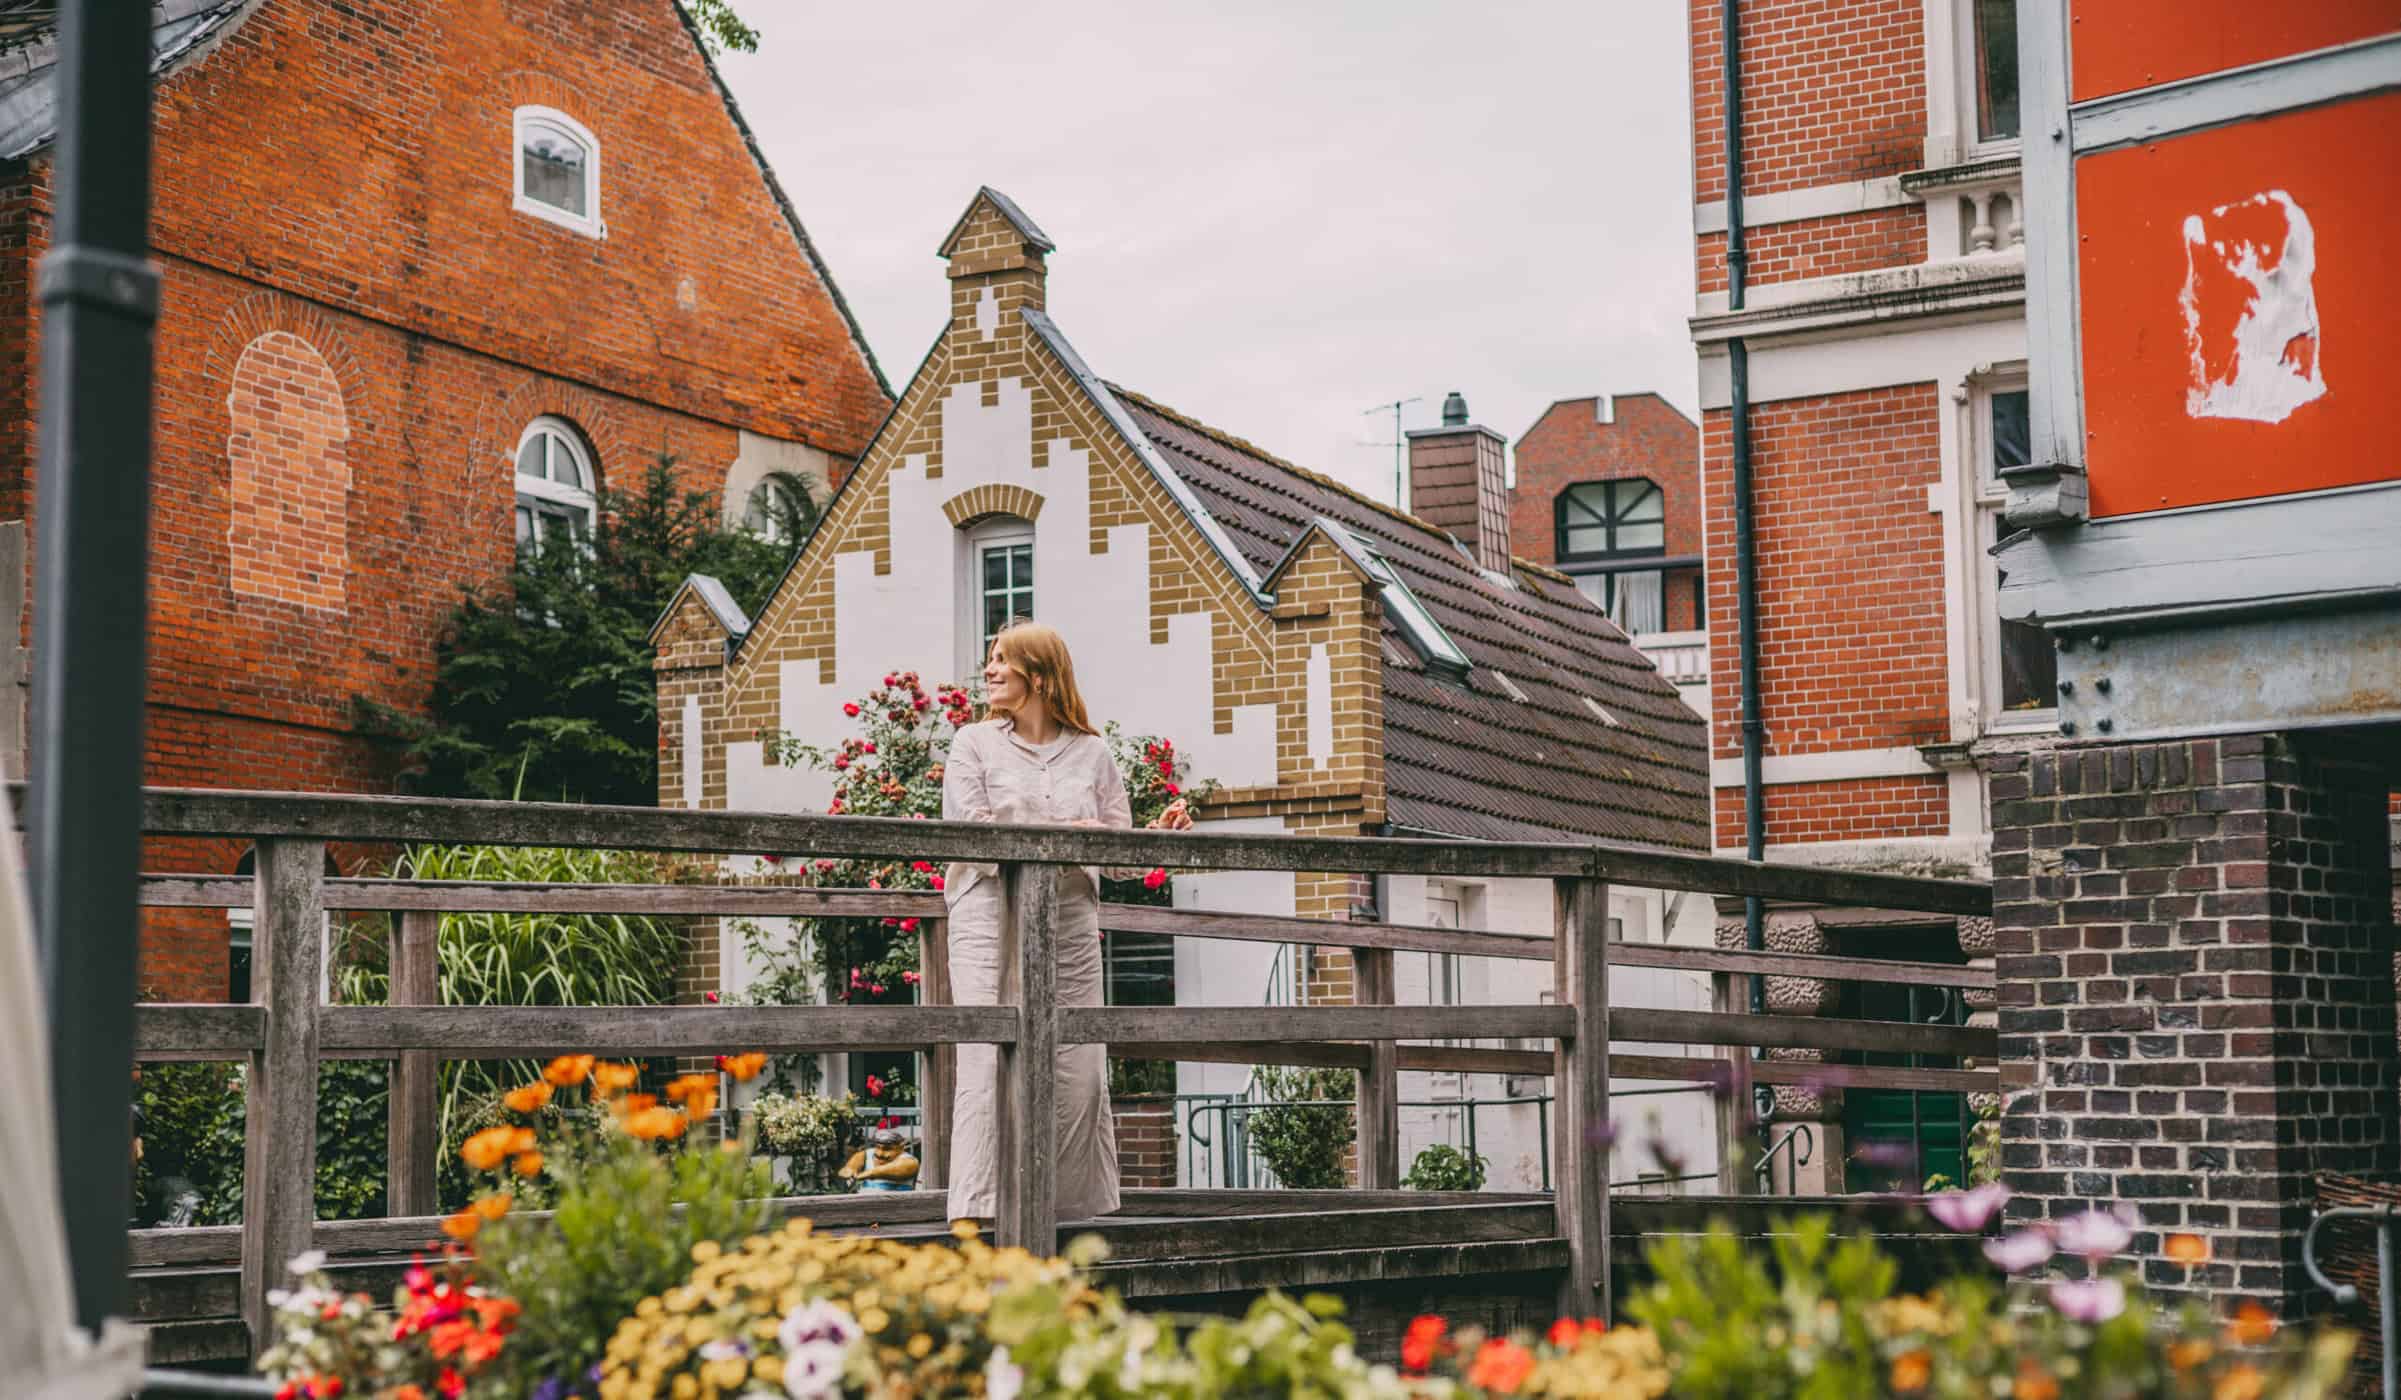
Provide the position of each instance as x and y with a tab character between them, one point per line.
2250	310
987	314
692	751
1320	677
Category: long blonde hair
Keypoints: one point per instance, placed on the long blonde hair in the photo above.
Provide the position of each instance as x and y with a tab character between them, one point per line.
1039	654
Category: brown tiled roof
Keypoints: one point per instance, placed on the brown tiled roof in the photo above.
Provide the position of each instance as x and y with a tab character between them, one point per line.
1463	757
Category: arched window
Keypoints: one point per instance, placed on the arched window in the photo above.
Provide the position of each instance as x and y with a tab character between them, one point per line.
781	508
558	170
555	483
999	584
1598	519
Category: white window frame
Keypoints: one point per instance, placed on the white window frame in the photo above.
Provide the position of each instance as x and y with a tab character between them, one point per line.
994	532
1987	496
557	493
1951	137
589	223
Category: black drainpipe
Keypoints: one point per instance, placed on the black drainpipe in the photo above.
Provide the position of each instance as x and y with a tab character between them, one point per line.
1746	560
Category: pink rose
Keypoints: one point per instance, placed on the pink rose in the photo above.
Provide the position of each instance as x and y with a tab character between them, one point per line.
909	977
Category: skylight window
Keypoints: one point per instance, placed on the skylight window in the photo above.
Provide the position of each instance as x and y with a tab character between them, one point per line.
1423	631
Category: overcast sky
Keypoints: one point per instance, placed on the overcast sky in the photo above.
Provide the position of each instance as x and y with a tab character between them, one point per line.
1269	216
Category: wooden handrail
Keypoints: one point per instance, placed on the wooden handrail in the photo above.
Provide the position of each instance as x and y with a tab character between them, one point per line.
332	817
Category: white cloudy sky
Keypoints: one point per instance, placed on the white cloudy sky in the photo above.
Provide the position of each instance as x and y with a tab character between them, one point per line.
1269	215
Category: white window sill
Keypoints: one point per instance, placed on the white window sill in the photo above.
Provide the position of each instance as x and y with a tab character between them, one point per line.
550	213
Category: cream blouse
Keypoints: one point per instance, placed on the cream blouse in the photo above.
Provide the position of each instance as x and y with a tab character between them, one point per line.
994	776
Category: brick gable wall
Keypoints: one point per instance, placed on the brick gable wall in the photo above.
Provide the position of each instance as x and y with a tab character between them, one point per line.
1647	438
1831	92
357	327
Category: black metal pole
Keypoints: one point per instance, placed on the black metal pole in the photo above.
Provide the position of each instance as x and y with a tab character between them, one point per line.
99	296
1746	550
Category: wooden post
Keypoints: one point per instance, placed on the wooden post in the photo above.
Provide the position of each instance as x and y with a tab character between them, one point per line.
1380	1083
1028	1115
279	1160
414	1142
1580	961
941	1061
1733	1158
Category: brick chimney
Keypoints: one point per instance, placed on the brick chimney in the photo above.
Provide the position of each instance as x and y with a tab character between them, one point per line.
1459	480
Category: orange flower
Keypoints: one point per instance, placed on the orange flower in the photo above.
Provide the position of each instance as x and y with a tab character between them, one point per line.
2190	1352
653	1123
701	1105
1563	1333
463	1224
528	1098
1500	1365
684	1086
2252	1325
1911	1370
635	1103
494	1206
408	1392
1419	1346
489	1148
567	1070
2242	1382
528	1164
743	1067
496	1313
614	1078
2033	1382
521	1140
2186	1249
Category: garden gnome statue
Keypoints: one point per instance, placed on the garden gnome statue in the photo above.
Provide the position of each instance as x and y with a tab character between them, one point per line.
884	1164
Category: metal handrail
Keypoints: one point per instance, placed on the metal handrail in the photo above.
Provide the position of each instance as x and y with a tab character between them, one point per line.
2388	1296
1797	1146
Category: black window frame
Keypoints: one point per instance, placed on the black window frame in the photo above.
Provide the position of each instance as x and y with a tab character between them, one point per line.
1612	518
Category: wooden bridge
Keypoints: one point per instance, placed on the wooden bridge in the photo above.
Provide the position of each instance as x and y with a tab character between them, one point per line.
1513	1255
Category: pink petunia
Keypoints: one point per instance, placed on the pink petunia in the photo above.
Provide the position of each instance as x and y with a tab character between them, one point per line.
1968	1211
2017	1253
2092	1300
2096	1234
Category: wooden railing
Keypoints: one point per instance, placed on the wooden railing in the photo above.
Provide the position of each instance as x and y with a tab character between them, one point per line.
287	1029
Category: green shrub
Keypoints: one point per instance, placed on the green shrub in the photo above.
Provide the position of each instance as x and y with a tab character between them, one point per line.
192	1130
1302	1133
1443	1167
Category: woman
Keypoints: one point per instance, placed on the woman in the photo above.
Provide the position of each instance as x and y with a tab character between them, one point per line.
1034	759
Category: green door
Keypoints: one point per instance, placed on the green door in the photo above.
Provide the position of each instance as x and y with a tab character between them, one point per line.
1900	1137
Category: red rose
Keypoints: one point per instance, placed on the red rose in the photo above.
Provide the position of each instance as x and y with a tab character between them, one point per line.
923	867
1420	1343
908	926
851	708
709	997
937	882
1174	791
842	761
875	1087
868	747
1154	879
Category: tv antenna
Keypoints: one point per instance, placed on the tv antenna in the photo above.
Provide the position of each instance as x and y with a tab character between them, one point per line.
1399	442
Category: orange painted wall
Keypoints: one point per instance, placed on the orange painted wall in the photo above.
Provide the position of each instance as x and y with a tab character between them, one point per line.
2119	45
2146	449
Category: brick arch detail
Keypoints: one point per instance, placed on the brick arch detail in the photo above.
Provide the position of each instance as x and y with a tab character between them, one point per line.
530	87
991	498
288	478
504	420
263	312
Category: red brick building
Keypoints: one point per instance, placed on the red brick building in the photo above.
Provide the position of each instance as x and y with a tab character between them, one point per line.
1881	318
431	274
1608	491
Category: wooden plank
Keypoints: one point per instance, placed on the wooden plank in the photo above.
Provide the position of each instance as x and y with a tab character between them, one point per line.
497	1032
1581	1076
1379	1093
941	1061
1333	1268
413	1139
1346	1227
1644	1023
279	1161
188	1031
1187	1202
198	1244
1026	1205
212	812
1136	1026
463	896
1325	1056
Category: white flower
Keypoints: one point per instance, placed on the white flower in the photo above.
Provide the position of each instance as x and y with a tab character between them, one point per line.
1002	1378
813	1370
308	1262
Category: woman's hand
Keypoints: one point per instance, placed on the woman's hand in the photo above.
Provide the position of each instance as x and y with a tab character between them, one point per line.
1176	818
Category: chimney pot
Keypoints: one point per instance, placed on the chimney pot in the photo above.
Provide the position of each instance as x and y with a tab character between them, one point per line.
1454	410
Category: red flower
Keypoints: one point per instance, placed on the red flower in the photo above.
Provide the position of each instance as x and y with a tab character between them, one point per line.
908	926
709	997
1154	879
1174	791
1500	1365
851	708
868	747
923	867
891	679
842	761
909	977
1422	1343
937	882
1563	1333
449	1383
875	1087
922	703
882	1123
